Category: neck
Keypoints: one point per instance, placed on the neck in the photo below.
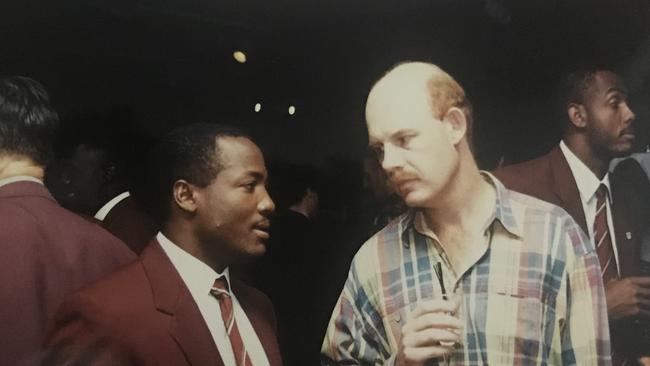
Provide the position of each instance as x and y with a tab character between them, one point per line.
300	209
186	239
12	166
468	201
459	224
579	146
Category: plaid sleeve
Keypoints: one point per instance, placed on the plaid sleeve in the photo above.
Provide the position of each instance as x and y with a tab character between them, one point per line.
355	334
585	339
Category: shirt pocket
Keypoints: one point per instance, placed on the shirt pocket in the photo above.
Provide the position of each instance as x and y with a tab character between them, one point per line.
519	325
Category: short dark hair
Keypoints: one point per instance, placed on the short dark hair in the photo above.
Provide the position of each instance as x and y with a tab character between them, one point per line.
575	85
28	123
191	153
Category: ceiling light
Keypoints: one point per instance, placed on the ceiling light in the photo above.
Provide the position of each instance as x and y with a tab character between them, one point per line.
292	110
258	107
239	56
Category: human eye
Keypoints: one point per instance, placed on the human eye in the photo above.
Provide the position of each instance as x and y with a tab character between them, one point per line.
615	101
404	140
249	186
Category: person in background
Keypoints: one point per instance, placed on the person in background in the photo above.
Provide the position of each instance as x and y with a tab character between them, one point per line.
574	175
48	251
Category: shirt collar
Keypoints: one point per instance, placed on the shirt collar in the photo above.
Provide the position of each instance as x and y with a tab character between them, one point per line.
198	276
19	178
102	212
586	180
413	220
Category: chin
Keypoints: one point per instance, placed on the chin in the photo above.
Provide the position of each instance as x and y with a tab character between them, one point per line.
623	150
251	254
415	200
258	249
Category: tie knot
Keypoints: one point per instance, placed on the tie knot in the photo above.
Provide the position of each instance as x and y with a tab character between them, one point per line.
220	287
601	192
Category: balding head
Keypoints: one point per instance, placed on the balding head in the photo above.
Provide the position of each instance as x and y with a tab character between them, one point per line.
418	120
423	82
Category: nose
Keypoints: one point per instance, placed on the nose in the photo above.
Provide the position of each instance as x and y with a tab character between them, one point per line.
628	114
266	205
392	159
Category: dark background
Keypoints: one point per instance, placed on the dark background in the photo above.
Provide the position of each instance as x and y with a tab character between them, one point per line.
126	71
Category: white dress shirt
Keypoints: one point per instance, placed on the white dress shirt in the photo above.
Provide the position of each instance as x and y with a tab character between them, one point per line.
19	178
102	212
588	184
199	278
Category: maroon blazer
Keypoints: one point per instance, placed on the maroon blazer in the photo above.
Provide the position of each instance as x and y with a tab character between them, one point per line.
549	178
145	315
47	253
130	223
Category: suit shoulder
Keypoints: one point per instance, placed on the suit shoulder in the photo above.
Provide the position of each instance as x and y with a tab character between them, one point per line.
629	173
525	171
130	282
243	290
540	216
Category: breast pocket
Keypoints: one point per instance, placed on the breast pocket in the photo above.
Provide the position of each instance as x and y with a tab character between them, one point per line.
519	324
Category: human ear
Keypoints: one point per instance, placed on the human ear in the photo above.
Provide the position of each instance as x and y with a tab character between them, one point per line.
456	123
185	195
577	115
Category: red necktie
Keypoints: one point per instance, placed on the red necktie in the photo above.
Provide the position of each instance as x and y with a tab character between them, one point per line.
220	291
602	237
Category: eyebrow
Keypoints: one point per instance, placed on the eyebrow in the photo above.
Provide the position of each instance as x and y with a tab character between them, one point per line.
616	89
256	174
406	131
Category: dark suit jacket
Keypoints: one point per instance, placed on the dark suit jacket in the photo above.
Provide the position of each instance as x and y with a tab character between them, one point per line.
47	253
549	178
145	315
129	222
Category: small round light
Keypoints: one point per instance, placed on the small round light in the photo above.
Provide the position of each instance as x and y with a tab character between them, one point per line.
258	107
292	110
239	56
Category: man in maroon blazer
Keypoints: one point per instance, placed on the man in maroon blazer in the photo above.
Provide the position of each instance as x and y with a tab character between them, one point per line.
599	128
124	217
178	305
47	251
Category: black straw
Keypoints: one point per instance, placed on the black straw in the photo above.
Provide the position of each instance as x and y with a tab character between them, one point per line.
438	268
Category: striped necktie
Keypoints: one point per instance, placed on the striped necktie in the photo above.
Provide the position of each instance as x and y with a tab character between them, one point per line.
220	291
602	237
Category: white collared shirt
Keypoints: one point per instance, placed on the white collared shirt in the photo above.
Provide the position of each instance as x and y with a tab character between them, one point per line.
19	178
102	212
587	186
199	278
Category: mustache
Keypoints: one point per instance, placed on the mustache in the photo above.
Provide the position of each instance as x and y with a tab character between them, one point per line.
628	131
263	225
399	178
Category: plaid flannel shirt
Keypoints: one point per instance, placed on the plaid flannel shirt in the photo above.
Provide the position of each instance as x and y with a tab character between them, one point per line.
534	298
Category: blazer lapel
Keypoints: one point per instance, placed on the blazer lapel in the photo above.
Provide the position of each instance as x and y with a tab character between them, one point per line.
264	327
172	297
626	239
566	188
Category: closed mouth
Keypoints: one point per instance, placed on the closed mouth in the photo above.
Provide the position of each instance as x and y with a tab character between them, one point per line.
262	228
628	133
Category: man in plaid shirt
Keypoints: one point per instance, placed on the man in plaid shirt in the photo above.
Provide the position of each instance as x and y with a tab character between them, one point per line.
473	274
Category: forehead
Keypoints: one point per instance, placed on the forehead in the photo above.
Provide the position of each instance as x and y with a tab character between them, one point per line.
239	154
604	83
396	105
